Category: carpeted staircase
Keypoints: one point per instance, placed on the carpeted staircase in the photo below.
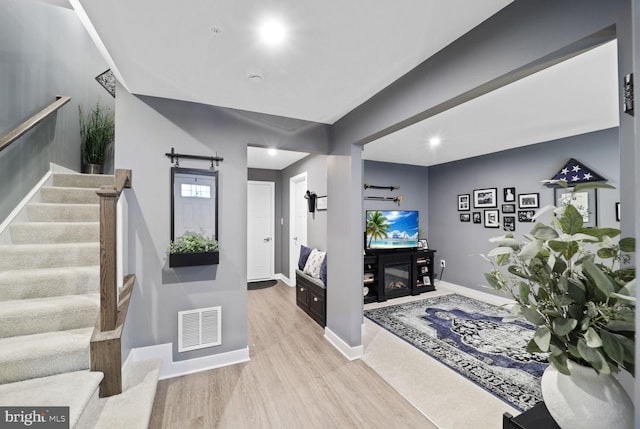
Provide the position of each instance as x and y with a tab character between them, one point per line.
49	304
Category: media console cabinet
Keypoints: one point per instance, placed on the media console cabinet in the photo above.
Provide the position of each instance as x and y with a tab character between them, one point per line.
397	272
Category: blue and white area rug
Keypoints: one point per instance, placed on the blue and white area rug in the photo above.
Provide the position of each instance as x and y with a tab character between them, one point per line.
470	337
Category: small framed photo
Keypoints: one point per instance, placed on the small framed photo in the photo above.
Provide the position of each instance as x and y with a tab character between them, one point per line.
321	203
477	217
424	269
465	217
463	202
526	215
509	223
529	201
586	201
618	212
491	219
485	198
509	195
508	208
423	244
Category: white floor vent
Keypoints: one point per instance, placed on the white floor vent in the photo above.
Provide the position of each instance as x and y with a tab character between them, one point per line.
199	328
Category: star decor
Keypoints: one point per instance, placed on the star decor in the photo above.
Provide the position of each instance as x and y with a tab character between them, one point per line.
576	172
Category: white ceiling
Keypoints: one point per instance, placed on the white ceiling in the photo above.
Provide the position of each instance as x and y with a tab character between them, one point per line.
573	97
337	55
271	159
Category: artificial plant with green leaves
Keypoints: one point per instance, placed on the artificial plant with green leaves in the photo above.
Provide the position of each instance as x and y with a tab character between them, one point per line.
193	243
97	130
576	285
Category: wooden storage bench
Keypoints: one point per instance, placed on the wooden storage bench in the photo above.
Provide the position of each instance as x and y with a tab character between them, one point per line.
311	297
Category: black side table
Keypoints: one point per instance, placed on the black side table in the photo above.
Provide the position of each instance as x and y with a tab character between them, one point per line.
537	417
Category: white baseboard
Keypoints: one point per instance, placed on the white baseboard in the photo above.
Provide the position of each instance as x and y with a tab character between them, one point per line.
351	353
23	203
285	279
172	369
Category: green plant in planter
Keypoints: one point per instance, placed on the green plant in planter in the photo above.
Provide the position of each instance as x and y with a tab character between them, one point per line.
574	283
193	243
97	130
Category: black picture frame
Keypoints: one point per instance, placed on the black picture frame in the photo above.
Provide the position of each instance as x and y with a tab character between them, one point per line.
464	203
213	175
508	208
585	200
526	215
509	195
485	198
529	201
465	217
423	243
477	217
509	223
491	219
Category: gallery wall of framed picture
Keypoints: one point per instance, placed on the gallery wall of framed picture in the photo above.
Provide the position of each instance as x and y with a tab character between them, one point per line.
493	203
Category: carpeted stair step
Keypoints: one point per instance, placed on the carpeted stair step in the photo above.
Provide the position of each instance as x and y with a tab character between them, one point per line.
38	315
41	355
55	194
45	282
25	256
132	408
74	180
76	390
58	212
54	232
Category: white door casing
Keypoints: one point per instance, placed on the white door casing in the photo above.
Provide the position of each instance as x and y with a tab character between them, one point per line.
260	230
297	221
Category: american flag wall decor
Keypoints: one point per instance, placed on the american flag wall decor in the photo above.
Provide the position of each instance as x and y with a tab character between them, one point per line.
575	172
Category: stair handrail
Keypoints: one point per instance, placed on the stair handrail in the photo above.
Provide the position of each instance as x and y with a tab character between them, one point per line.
32	121
109	195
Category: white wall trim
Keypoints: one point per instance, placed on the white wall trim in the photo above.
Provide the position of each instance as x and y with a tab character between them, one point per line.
170	369
285	279
23	203
351	353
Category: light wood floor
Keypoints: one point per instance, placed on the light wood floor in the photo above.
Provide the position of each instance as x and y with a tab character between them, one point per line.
295	379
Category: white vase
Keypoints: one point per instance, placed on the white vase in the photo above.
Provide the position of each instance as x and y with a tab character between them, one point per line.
586	400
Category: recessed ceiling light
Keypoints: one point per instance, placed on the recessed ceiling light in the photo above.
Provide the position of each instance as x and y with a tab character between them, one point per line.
272	32
435	141
272	152
255	77
215	30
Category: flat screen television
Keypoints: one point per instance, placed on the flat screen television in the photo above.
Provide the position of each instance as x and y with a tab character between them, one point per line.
391	229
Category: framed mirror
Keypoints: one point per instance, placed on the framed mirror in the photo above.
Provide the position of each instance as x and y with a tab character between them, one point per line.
194	202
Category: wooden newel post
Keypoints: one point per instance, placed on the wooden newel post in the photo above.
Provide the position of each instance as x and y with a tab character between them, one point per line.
108	287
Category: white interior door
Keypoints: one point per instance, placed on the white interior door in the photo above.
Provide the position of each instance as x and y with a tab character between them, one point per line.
194	204
297	221
260	215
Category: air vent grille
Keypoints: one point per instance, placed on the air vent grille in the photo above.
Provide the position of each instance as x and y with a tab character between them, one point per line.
199	328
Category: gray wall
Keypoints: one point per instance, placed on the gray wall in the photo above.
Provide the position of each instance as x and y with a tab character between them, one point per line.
515	42
274	176
44	51
316	168
147	128
461	243
413	183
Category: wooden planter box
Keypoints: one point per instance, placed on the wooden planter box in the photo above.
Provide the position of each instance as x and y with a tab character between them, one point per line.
192	259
